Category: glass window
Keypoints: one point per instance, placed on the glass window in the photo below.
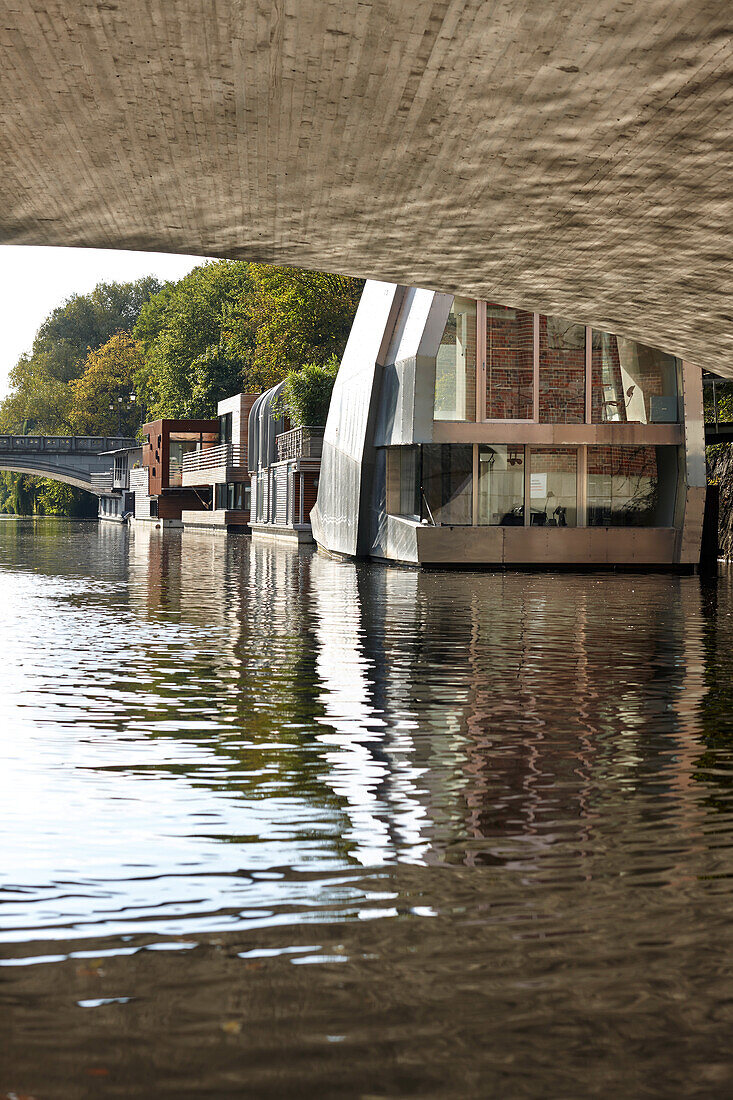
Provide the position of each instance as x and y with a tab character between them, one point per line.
632	486
225	428
553	487
455	365
632	383
403	474
501	485
562	372
447	483
509	363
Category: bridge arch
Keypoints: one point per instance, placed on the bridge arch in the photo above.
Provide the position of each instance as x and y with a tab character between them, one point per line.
38	469
86	462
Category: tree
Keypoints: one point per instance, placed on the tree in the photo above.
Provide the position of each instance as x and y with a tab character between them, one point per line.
307	392
53	498
184	331
38	402
297	317
86	321
24	494
230	326
109	374
40	398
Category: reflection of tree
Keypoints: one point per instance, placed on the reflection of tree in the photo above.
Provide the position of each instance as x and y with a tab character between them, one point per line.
233	666
714	766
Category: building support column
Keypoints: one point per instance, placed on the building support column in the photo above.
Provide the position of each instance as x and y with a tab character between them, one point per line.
695	466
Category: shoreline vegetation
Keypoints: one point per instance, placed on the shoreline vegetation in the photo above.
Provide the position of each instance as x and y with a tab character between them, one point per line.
228	326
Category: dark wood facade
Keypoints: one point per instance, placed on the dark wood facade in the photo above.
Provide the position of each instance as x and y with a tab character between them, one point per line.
156	448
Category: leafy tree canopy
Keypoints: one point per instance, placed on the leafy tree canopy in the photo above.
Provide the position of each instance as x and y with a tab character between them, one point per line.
38	401
230	326
190	362
86	321
306	395
108	379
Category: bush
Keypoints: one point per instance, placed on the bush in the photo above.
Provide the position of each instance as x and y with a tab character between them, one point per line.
307	393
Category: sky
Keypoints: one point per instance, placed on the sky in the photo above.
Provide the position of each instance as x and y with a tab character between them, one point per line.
33	281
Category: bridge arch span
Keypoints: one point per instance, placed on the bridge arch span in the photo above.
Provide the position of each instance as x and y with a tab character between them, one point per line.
76	478
86	462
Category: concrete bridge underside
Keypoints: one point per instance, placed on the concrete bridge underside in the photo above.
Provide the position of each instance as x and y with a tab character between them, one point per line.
568	157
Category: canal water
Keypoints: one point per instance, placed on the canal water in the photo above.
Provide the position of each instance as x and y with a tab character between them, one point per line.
277	826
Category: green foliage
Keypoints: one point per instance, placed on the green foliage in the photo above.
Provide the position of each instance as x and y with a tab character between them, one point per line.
24	495
56	499
86	321
38	402
109	374
40	398
295	317
190	361
230	326
307	392
7	486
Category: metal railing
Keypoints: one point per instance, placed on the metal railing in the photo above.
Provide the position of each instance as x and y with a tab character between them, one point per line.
213	458
63	444
304	442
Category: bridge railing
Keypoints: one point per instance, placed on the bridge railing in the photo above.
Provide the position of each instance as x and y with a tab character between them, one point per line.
63	444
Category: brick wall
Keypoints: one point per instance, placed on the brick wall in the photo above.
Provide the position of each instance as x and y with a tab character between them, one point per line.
562	372
509	363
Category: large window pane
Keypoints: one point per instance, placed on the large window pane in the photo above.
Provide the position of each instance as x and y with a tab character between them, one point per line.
455	367
631	486
501	485
447	483
562	371
403	481
509	363
632	383
553	487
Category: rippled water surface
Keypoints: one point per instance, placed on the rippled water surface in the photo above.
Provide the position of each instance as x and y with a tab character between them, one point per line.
277	826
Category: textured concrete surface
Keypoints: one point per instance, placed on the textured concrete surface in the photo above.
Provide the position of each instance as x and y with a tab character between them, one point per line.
572	157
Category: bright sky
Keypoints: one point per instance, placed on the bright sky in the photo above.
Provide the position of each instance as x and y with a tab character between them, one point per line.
35	280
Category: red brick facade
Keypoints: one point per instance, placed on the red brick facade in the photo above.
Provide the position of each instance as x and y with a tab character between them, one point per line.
509	363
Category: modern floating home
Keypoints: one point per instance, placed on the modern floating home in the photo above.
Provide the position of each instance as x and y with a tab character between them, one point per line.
248	471
219	472
470	432
284	464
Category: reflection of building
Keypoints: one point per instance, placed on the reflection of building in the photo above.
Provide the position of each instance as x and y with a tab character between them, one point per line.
464	431
284	463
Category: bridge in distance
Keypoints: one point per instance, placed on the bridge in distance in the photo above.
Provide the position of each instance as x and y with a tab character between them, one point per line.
82	461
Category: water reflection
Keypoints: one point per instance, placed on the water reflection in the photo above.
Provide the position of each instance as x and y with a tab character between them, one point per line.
225	760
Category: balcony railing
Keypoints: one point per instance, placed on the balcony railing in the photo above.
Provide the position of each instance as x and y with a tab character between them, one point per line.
305	442
213	458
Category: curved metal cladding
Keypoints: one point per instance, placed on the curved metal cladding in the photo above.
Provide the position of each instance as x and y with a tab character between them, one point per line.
262	428
348	453
405	412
